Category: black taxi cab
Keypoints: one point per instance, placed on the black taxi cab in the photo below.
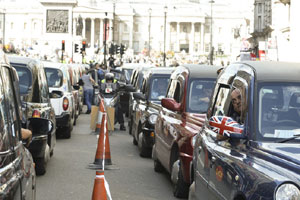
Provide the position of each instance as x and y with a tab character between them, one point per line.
249	145
148	102
38	113
17	174
180	119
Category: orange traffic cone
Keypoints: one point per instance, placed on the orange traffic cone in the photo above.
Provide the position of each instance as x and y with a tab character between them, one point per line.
100	114
103	156
101	187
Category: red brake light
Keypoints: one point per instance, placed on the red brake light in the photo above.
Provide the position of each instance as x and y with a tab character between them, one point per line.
65	103
36	114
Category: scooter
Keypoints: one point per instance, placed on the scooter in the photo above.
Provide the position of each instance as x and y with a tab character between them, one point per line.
110	94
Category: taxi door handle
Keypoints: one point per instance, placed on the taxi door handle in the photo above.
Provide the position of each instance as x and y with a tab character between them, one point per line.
212	162
199	149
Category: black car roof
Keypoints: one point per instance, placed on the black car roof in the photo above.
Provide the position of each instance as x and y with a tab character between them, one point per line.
22	60
275	71
200	71
159	71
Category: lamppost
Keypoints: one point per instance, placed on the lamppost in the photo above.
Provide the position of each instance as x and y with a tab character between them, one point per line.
149	40
165	23
105	33
211	57
3	26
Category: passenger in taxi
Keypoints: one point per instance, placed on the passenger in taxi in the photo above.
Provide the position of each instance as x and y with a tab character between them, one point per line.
159	88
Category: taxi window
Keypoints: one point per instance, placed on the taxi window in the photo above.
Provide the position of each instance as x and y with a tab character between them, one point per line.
278	111
4	133
54	77
231	102
43	86
158	88
174	91
12	106
199	95
25	79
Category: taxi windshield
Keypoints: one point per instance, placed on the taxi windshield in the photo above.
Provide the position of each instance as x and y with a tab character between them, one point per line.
278	111
54	77
158	88
25	79
199	95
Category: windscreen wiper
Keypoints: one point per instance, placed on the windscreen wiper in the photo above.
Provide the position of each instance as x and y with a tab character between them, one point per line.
288	139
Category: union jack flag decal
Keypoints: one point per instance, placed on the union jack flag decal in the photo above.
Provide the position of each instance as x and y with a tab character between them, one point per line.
225	125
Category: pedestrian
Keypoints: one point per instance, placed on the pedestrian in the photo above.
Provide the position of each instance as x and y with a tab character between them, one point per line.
88	89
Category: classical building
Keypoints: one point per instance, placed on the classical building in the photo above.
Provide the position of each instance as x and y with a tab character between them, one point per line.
276	30
177	26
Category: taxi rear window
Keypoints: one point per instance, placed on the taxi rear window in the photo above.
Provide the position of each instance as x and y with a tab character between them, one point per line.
54	77
25	79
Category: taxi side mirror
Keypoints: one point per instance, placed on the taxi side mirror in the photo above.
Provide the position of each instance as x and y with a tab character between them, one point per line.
76	87
226	127
129	88
139	96
171	104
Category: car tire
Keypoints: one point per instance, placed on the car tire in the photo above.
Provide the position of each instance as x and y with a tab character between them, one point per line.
144	151
67	132
130	126
180	188
158	166
40	166
134	141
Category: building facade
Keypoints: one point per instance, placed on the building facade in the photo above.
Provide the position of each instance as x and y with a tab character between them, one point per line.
179	26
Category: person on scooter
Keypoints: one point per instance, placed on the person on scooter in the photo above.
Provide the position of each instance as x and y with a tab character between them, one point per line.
109	78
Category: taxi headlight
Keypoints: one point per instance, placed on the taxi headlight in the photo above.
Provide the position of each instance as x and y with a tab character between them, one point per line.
152	118
287	192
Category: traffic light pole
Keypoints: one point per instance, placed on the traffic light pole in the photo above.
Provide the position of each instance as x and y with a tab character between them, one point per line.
105	30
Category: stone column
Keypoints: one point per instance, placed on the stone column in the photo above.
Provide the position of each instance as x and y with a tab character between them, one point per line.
192	38
110	32
120	32
74	27
202	38
168	37
92	33
83	29
130	26
101	33
177	37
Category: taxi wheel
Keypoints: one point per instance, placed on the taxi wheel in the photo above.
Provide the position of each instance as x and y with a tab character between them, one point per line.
158	166
181	188
67	132
134	141
144	151
40	166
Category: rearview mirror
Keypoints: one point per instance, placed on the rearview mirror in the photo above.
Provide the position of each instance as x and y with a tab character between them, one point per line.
171	104
226	126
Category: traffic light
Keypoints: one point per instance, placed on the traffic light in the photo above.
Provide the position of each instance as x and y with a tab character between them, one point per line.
76	48
83	47
63	45
112	49
122	49
117	48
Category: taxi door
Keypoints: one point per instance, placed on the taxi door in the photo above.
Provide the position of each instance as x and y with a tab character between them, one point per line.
169	124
